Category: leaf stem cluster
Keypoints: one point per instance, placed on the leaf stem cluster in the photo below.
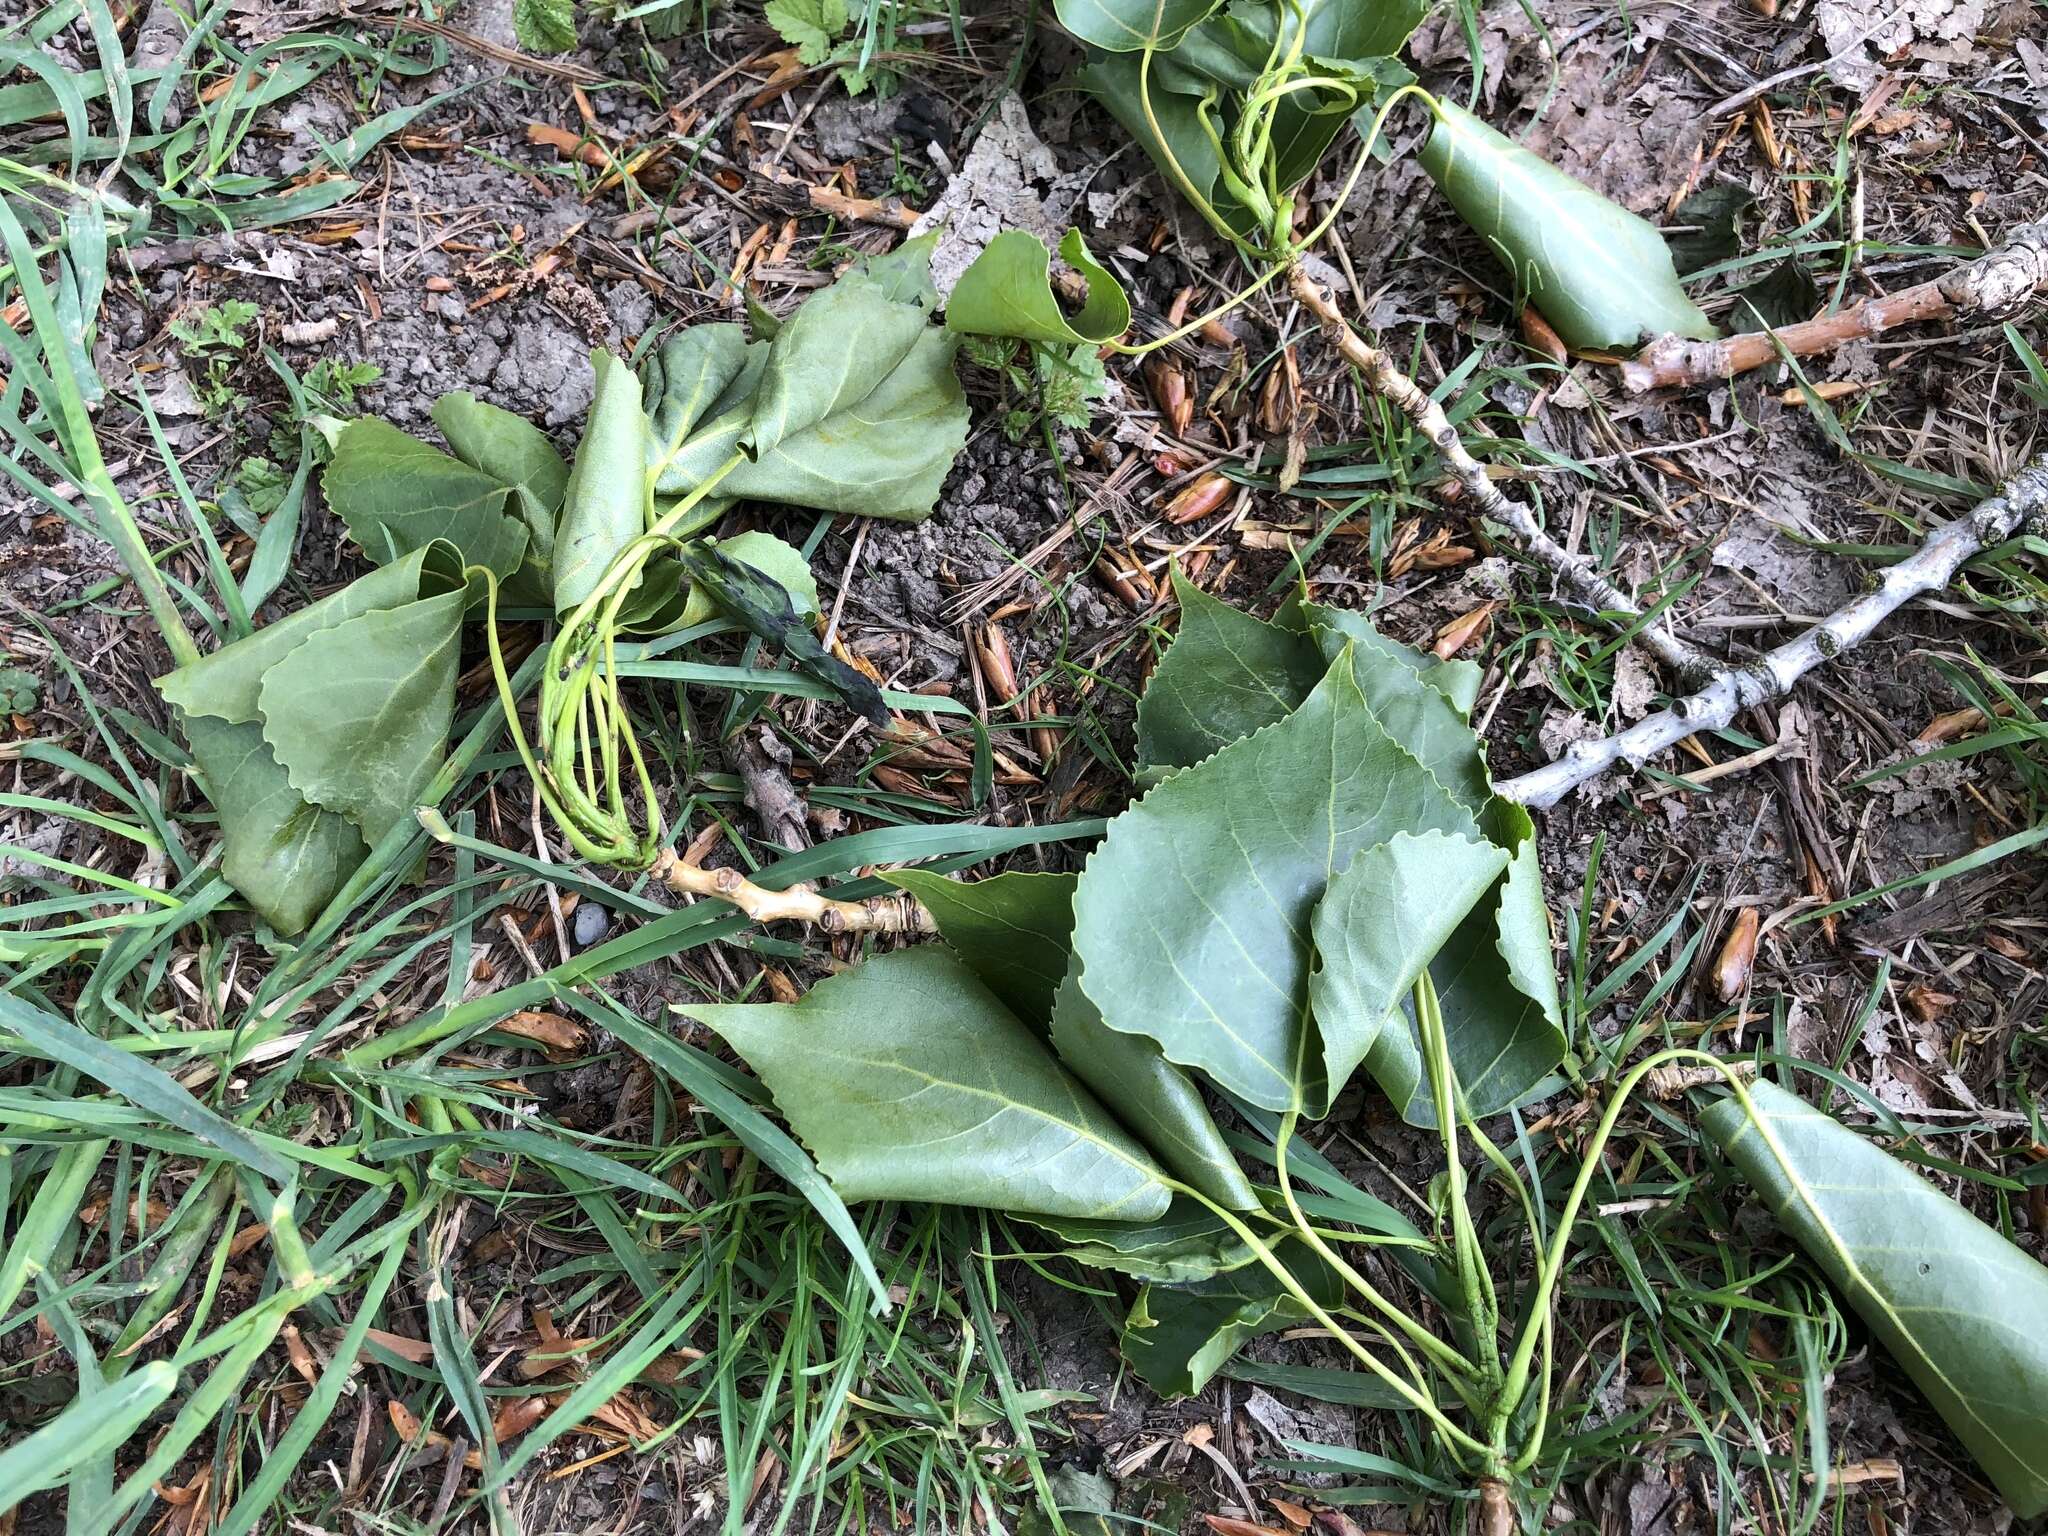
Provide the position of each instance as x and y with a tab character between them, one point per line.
1509	1426
584	730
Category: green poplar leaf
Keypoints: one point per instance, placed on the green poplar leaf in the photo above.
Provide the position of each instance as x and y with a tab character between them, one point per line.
1335	29
685	381
1226	675
1497	989
1127	26
1086	1502
397	495
1959	1307
513	450
359	715
1602	276
228	684
1428	720
851	407
1007	291
605	505
503	445
1175	92
885	454
286	857
1456	680
1187	1244
1156	1100
1013	930
841	342
1178	1337
316	734
1494	978
908	1080
1380	925
1193	917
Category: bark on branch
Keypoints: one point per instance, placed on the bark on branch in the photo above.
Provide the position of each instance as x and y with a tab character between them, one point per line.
902	913
1579	576
1996	286
2020	506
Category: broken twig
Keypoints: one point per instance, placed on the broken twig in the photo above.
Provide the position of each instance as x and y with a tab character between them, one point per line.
2022	505
1995	286
902	913
1576	572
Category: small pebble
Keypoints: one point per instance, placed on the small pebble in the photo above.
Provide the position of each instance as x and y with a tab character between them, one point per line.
589	923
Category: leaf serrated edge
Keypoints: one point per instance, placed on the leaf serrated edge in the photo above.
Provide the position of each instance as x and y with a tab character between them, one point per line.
1180	774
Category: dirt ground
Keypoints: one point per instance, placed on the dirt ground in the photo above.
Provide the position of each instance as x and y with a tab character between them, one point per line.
472	261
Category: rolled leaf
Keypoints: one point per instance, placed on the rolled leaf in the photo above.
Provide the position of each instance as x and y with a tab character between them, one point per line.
1007	291
1337	30
1602	277
908	1080
1959	1307
1221	57
605	506
763	604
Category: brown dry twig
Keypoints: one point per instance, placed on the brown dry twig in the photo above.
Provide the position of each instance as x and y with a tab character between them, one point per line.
1995	286
1576	572
902	913
1667	1083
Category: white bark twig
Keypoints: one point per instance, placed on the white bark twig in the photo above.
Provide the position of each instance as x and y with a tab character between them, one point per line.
1576	573
2021	505
1996	286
